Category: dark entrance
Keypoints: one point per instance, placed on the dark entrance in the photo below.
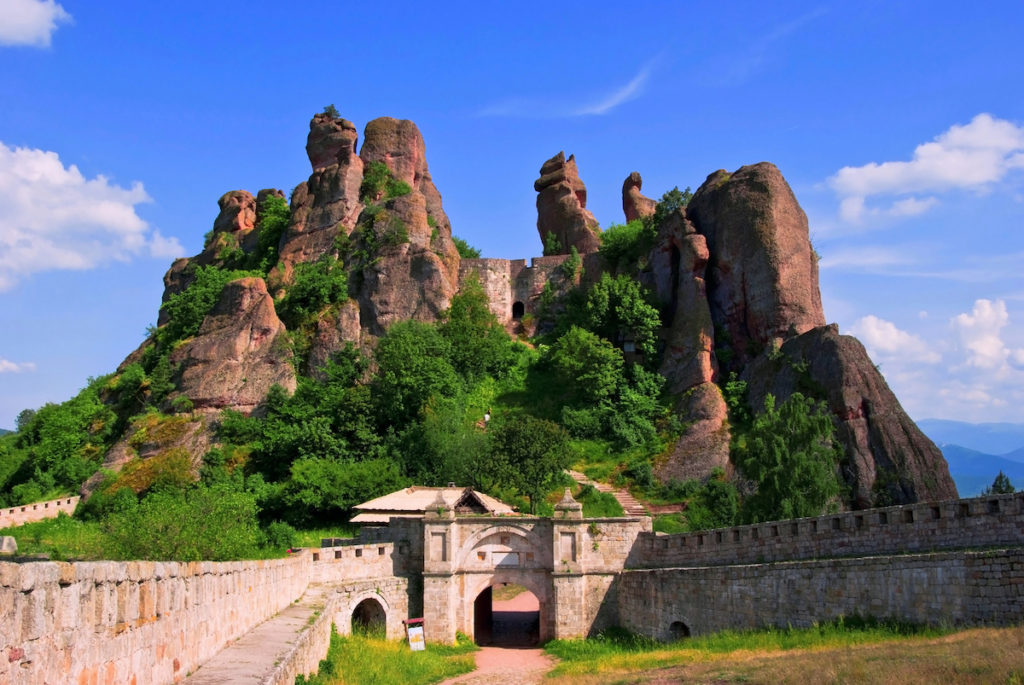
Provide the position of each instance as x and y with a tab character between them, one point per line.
518	309
369	617
506	615
678	630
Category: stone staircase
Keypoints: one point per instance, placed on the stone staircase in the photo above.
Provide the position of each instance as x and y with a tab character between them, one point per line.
631	505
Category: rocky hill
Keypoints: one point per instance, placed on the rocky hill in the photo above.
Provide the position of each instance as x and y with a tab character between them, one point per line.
733	270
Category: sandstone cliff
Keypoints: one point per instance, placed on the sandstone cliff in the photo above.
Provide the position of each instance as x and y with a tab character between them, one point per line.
563	220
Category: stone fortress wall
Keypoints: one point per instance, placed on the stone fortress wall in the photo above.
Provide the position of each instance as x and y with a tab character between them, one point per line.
29	513
513	289
959	562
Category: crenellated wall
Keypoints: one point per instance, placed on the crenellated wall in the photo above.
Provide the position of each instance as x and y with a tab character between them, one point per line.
514	289
28	513
990	521
133	622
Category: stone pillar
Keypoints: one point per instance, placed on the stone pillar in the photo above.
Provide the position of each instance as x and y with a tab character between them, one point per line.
567	576
439	588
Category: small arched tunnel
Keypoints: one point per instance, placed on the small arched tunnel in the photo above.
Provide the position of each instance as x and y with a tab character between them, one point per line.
506	614
678	630
369	617
518	310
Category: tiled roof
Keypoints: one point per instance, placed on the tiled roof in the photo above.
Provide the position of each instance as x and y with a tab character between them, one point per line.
415	500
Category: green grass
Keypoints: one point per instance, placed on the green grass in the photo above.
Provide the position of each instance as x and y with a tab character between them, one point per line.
312	536
370	659
617	648
597	504
61	538
670	523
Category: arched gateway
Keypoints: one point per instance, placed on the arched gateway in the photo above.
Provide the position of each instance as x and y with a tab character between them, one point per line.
567	563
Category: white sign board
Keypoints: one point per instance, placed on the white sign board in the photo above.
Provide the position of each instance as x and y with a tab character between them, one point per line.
506	559
416	641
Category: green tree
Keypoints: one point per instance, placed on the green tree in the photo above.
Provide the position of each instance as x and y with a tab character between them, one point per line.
413	366
332	111
466	251
479	345
670	202
529	454
1000	486
625	245
316	285
274	217
620	309
791	456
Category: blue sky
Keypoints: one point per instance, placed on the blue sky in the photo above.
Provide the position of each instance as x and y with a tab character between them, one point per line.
900	127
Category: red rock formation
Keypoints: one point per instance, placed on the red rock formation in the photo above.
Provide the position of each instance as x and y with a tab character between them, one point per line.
562	207
327	204
634	204
237	354
888	460
415	275
762	276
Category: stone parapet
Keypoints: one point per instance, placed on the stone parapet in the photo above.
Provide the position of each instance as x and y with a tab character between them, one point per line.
132	622
28	513
989	521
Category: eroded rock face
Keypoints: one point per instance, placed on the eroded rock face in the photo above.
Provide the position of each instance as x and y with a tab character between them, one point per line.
562	207
705	444
327	204
762	275
416	269
332	333
888	459
238	353
634	204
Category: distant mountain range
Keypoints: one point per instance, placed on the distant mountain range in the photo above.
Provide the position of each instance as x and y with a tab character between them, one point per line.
4	431
977	452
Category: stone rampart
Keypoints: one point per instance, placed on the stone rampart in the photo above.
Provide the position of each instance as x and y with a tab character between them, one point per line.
133	622
514	289
961	588
27	513
989	521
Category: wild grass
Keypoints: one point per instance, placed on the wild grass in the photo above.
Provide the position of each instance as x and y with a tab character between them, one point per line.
311	537
618	650
968	657
62	538
368	658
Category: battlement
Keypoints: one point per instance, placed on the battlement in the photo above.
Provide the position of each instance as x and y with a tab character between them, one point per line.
38	511
988	521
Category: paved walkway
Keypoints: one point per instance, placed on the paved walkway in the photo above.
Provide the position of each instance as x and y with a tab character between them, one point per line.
253	657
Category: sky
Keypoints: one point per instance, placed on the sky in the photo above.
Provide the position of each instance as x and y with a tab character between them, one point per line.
899	126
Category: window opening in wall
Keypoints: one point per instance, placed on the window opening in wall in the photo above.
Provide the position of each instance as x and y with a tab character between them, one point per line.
718	537
794	529
359	552
837	524
814	526
936	513
506	614
908	515
735	536
337	554
965	510
993	506
369	617
518	309
678	630
775	531
858	521
380	551
883	518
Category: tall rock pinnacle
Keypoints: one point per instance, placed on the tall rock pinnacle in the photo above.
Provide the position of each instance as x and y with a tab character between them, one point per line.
562	208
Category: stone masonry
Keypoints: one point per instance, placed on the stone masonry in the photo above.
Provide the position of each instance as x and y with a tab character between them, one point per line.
28	513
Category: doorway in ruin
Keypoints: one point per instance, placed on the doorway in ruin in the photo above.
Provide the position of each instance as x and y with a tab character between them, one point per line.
508	615
518	310
678	630
369	617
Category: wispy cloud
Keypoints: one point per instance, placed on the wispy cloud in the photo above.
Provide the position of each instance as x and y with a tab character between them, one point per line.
52	217
866	258
972	157
557	108
30	22
737	68
12	367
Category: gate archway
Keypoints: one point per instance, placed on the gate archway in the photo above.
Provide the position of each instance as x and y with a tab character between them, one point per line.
369	616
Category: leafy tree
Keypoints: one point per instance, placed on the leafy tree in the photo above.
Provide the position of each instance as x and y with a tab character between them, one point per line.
552	245
529	454
25	417
379	184
619	309
790	454
479	345
1000	486
625	245
670	202
413	366
316	285
274	217
200	523
187	309
332	111
466	251
323	489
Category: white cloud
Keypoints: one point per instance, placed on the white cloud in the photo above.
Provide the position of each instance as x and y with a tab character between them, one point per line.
30	22
12	367
973	157
546	108
882	338
868	258
52	217
980	335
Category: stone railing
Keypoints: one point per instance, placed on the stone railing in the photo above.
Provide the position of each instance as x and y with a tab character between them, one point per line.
27	513
989	521
133	622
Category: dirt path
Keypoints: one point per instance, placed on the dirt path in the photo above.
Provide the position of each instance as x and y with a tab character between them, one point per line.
515	665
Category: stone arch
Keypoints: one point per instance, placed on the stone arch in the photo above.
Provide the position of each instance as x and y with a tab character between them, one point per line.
523	535
369	614
518	310
538	582
346	610
678	630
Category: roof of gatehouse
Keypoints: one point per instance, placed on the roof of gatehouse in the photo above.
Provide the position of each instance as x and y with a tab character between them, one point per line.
414	501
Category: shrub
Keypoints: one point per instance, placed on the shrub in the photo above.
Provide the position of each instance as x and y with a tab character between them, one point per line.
316	284
465	250
625	245
380	184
